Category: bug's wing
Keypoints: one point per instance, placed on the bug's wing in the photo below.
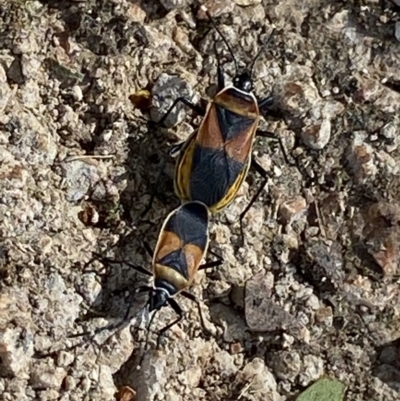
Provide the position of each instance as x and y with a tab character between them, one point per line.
215	160
182	243
213	174
190	223
221	156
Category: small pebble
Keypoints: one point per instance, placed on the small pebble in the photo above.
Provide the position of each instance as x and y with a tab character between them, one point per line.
77	93
293	209
317	136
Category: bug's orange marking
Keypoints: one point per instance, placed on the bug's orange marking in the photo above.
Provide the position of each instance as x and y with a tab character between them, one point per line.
209	134
167	243
194	255
236	104
240	147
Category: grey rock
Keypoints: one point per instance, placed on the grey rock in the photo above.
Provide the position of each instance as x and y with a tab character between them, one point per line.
216	8
313	368
166	90
286	364
64	359
258	382
34	142
80	177
5	90
293	209
317	136
44	376
262	314
360	159
14	72
15	354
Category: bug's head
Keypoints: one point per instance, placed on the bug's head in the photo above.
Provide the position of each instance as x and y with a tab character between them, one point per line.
158	298
243	81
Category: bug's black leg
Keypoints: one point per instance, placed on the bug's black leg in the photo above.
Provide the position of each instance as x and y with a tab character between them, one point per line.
266	134
196	108
91	260
219	257
260	170
192	298
176	149
139	269
148	248
214	263
265	103
117	325
106	260
220	71
178	311
221	78
208	265
153	193
271	135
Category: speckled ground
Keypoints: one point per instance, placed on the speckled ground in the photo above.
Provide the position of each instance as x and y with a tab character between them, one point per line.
313	291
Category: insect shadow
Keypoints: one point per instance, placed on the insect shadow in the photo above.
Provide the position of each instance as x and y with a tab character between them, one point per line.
147	163
386	366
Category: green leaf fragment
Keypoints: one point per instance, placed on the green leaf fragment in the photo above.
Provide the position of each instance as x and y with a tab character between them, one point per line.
65	72
325	389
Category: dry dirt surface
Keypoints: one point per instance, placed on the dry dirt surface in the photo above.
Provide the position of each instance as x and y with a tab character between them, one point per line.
314	288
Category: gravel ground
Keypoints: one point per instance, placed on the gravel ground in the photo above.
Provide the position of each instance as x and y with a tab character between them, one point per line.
314	289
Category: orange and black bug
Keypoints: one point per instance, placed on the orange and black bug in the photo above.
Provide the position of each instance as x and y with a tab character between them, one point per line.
181	246
214	161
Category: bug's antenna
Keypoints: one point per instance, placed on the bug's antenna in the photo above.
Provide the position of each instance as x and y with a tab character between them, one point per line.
263	47
205	10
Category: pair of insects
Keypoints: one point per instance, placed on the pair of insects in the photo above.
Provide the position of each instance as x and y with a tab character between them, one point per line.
212	165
